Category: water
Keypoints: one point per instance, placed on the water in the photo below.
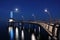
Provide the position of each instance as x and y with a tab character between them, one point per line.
22	35
28	32
11	33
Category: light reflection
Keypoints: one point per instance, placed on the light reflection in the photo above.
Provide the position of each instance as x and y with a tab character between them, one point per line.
33	37
39	29
22	34
11	33
17	36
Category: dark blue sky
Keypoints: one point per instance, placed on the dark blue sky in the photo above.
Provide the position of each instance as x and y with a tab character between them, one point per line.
27	7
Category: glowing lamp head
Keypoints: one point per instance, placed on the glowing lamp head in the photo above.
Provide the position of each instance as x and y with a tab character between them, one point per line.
22	16
33	15
46	10
16	9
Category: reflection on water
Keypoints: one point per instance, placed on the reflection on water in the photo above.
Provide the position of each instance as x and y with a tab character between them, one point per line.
33	37
22	35
11	33
17	36
27	33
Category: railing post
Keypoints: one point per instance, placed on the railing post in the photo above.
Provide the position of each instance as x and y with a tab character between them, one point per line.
58	33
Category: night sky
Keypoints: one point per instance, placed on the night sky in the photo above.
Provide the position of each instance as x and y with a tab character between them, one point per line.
27	8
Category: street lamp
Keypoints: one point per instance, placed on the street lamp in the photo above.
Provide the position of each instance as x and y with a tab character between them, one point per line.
22	17
48	14
46	10
12	12
16	10
34	16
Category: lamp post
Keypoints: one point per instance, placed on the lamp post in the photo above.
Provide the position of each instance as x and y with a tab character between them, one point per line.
22	17
34	16
12	12
49	21
16	29
48	14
